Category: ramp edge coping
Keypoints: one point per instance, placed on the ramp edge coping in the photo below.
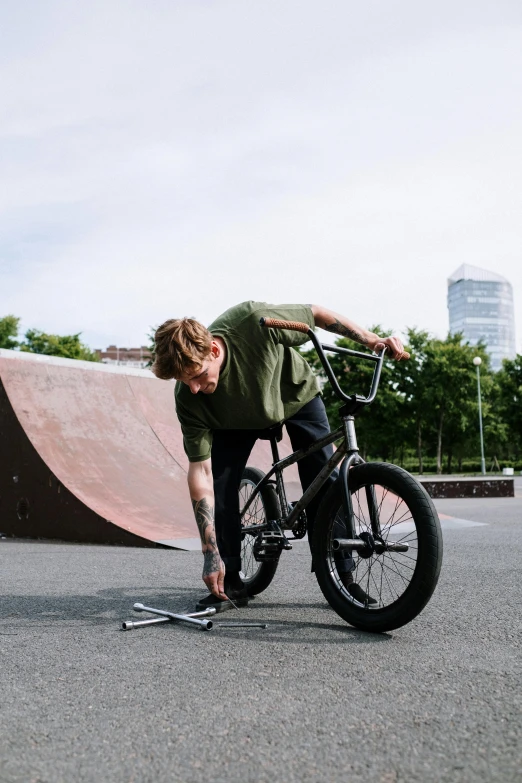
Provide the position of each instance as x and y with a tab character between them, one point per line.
74	363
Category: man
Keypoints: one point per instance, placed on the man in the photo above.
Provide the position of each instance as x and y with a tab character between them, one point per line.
236	379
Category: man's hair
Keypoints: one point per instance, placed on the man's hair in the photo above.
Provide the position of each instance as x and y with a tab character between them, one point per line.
181	346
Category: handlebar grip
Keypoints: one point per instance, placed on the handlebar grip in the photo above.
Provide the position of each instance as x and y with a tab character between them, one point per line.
403	357
275	323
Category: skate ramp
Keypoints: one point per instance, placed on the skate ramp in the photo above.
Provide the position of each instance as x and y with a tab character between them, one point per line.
94	453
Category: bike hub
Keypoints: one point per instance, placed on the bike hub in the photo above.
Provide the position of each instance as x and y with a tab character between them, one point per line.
368	550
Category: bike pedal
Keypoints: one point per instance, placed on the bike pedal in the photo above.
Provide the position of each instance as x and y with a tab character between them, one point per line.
268	546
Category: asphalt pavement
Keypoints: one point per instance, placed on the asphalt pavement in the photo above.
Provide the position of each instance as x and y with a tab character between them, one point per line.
309	699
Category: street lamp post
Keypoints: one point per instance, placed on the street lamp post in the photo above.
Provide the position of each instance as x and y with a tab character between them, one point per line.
477	361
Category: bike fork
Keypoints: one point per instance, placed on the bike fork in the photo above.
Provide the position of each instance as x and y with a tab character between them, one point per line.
347	498
373	509
353	457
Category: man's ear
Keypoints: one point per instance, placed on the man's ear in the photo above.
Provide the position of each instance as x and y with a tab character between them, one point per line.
215	349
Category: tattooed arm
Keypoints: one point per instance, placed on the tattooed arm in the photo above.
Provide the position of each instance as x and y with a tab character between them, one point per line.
201	489
339	324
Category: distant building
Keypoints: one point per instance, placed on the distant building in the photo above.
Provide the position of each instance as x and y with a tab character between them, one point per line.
480	305
129	357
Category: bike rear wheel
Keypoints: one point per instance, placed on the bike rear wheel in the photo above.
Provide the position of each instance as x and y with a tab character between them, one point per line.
401	582
256	575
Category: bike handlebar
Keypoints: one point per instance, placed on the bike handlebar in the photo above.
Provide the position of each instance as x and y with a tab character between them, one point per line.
355	401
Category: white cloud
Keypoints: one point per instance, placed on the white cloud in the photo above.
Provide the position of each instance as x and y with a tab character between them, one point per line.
177	157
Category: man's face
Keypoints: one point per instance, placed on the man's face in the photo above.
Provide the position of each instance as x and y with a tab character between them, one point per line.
203	379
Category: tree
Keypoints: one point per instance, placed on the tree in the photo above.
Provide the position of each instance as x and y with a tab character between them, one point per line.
451	388
67	346
412	379
509	402
9	331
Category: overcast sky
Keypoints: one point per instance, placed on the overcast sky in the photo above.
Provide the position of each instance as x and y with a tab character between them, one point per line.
175	157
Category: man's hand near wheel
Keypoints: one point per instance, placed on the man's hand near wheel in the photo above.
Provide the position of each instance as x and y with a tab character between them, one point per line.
214	572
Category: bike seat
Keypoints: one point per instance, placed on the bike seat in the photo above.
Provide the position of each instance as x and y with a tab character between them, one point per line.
275	431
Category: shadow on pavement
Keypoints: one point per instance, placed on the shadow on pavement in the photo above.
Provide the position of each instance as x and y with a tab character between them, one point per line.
296	632
112	606
97	608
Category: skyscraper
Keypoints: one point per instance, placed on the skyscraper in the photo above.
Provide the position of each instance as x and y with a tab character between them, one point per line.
480	305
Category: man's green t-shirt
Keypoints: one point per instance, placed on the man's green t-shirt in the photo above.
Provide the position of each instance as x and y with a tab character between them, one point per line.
263	380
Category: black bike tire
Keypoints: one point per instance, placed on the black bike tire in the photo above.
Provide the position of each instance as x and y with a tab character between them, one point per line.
429	560
266	571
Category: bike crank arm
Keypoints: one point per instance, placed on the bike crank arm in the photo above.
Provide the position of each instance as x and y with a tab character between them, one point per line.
205	625
340	544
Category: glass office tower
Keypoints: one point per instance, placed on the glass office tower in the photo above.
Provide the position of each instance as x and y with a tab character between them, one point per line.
480	305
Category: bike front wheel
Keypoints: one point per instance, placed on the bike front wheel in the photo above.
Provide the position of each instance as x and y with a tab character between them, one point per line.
256	576
399	568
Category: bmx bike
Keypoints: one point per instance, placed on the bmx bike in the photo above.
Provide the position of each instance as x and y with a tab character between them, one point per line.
375	512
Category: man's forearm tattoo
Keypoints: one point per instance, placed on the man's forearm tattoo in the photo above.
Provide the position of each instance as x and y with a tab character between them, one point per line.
211	562
210	543
204	514
338	328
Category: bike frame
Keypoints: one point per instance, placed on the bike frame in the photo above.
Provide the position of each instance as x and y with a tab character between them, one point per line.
346	455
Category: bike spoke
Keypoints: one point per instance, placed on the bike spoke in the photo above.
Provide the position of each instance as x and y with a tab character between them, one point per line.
405	517
389	585
379	510
380	591
397	504
403	554
403	539
361	517
368	580
396	562
401	520
395	570
376	587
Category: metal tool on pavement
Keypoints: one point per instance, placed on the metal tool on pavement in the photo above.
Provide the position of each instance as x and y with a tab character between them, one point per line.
205	625
227	624
130	625
194	618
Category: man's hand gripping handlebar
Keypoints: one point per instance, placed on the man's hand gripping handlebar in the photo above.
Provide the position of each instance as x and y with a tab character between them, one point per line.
392	344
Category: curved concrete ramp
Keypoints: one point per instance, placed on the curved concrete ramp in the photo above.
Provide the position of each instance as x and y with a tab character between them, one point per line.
94	453
79	460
